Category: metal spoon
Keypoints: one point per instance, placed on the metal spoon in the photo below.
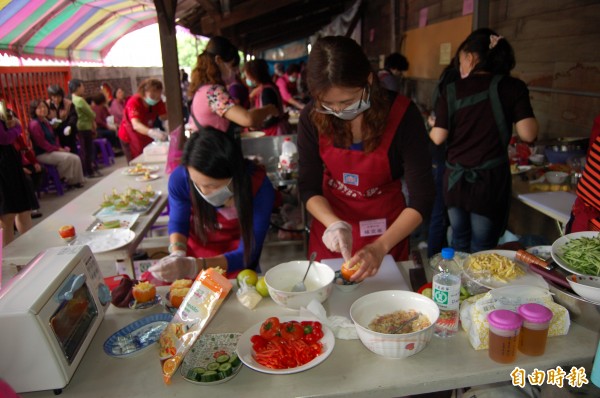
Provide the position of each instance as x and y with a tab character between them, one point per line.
401	326
300	287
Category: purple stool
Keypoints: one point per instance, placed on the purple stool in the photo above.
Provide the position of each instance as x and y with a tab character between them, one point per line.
105	151
51	182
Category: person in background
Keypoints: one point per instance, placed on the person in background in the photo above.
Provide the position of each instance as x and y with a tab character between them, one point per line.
34	172
63	110
86	128
585	215
107	91
265	92
15	193
356	142
212	106
48	150
237	89
474	117
103	130
286	82
391	74
141	113
220	209
117	106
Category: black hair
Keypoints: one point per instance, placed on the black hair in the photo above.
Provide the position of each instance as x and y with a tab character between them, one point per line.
396	61
33	106
498	60
55	89
222	47
216	155
292	68
258	70
74	84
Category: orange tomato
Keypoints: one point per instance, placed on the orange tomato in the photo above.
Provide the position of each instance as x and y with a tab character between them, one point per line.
144	292
348	272
66	231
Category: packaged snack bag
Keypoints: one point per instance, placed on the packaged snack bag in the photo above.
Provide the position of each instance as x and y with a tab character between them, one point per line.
197	309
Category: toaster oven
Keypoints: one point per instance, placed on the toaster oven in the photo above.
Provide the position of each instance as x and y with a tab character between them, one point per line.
49	313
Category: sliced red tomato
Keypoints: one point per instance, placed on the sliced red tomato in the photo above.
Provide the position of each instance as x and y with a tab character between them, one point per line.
270	328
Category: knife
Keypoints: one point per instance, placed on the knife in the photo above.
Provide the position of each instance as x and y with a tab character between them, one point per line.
553	275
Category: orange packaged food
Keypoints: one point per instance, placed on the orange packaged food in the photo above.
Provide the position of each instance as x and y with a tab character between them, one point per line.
197	309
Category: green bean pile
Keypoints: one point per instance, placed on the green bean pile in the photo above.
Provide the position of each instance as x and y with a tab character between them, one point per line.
583	255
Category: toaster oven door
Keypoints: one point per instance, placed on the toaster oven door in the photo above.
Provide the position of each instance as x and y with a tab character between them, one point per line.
74	318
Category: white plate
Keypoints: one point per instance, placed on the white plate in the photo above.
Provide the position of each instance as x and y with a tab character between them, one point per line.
126	220
104	240
543	252
136	336
253	134
521	169
151	177
132	171
244	348
202	353
528	279
558	246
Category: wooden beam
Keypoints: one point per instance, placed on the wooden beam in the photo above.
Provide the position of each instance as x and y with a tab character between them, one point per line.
251	9
165	12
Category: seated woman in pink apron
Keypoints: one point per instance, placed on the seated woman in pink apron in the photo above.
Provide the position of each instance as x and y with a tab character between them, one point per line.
362	141
220	208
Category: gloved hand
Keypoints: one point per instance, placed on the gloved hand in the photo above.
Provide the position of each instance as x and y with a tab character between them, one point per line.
338	238
157	134
174	267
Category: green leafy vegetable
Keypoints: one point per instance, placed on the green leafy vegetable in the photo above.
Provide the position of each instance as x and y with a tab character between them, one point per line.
583	255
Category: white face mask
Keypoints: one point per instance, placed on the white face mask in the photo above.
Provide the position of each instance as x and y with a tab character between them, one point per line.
351	112
218	197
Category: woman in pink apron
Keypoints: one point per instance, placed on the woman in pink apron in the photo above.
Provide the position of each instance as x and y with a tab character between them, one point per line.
363	141
220	208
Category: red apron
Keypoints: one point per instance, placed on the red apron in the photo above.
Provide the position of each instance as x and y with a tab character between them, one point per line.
586	210
279	128
360	189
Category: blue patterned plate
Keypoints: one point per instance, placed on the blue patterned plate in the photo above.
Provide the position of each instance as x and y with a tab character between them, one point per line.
136	336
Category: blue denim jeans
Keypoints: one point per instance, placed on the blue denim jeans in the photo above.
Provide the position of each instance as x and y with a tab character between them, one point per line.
438	221
472	232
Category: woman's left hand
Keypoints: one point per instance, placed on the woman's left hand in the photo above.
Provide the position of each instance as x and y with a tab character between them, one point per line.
369	258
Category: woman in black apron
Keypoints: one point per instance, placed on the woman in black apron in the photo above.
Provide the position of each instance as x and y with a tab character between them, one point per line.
475	115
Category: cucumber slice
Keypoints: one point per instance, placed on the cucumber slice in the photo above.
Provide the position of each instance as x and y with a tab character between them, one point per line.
223	358
195	373
208	376
225	370
234	360
213	366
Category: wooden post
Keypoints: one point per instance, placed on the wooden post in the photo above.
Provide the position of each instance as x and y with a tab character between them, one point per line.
481	14
165	11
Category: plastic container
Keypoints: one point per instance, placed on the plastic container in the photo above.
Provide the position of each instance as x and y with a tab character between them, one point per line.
534	332
446	294
288	160
504	335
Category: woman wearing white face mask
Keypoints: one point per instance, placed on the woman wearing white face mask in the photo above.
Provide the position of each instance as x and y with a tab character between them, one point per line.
220	208
362	143
212	105
139	116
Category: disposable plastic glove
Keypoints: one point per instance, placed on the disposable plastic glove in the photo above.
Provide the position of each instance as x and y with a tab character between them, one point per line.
157	134
174	267
338	238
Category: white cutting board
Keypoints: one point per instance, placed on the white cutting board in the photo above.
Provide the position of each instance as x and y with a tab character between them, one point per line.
388	278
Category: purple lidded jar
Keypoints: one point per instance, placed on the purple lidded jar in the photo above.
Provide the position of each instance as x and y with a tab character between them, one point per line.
534	333
504	335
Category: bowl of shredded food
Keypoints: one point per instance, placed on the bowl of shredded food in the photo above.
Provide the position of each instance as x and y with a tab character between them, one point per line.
394	323
578	253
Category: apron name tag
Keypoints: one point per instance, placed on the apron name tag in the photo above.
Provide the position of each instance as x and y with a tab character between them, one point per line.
350	179
373	227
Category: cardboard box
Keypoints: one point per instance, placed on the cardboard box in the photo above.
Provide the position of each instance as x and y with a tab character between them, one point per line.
139	267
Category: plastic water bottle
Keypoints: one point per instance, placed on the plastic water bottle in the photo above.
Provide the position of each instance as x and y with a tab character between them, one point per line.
446	294
288	160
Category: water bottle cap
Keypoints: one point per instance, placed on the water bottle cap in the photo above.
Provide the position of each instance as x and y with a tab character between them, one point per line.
287	139
447	253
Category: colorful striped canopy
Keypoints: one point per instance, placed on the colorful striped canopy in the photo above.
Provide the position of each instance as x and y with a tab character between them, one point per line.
82	30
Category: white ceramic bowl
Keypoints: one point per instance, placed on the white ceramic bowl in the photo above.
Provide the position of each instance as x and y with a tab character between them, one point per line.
537	159
281	279
366	308
556	177
586	286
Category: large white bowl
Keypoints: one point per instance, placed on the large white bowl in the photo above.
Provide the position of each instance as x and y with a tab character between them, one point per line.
281	279
366	308
586	286
556	177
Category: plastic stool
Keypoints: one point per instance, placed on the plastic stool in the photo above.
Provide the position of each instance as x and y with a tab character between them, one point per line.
106	151
51	182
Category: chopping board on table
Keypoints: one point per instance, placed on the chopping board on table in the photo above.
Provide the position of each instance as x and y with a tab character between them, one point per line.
388	278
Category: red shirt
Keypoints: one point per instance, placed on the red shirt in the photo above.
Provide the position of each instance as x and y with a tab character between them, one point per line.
136	108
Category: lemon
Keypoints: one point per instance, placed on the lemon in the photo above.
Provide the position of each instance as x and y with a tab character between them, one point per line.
261	287
250	276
